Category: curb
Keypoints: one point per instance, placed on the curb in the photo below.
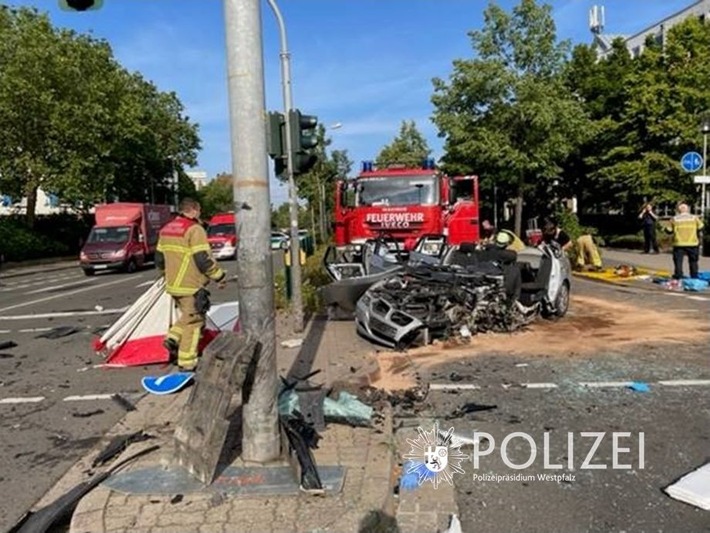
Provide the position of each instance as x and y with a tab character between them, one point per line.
16	272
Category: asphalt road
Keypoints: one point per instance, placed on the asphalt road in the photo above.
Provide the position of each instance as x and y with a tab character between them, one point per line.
674	420
53	404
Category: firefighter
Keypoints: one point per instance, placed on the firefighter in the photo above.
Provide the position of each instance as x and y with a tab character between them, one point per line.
685	228
185	259
489	233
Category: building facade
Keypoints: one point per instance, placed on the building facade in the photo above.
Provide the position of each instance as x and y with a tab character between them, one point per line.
635	43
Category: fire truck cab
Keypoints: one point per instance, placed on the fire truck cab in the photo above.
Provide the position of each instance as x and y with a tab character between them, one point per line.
403	204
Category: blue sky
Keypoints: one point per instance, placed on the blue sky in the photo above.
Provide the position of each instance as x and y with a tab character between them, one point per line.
366	64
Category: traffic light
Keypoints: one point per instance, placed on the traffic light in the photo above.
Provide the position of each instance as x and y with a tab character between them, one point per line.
80	5
276	142
304	139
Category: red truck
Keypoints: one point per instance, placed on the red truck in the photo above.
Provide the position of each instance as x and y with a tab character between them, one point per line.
124	237
222	236
406	203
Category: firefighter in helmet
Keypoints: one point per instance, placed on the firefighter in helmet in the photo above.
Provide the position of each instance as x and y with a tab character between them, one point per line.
185	259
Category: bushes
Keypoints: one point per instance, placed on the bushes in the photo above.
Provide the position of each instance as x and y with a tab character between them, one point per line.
53	236
313	276
635	241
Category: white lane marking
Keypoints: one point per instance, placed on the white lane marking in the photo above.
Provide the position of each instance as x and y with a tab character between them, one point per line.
65	285
66	314
699	298
29	399
600	384
540	385
88	397
34	330
66	294
5	331
453	386
149	282
684	382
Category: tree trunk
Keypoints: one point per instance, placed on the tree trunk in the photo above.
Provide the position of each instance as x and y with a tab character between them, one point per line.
321	213
519	211
313	223
31	206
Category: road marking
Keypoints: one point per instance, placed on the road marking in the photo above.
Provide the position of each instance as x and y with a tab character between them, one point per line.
684	382
88	397
30	399
601	384
698	298
64	294
62	314
453	386
65	285
5	331
540	385
34	330
149	282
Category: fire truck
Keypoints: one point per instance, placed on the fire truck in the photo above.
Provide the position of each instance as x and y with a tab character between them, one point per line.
404	204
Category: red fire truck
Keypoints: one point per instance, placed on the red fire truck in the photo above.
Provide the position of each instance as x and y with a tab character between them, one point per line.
406	204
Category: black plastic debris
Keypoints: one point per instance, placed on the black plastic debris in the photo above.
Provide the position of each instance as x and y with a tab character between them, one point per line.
6	356
471	407
6	345
117	445
176	499
88	414
42	520
58	332
302	438
125	404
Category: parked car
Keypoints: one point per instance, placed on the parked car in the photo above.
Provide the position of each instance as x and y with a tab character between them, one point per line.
279	241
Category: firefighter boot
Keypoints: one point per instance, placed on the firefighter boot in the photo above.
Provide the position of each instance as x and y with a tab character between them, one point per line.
172	346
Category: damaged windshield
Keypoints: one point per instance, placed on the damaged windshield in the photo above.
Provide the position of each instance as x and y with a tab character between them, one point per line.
117	235
391	191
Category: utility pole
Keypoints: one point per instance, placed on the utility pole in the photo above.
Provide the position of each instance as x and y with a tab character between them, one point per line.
247	113
295	248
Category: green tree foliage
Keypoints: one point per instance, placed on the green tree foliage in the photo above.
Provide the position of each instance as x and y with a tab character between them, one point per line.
647	112
217	196
506	114
76	124
408	148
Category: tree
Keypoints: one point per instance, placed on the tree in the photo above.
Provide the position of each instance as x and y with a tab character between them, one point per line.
408	148
78	125
218	195
506	114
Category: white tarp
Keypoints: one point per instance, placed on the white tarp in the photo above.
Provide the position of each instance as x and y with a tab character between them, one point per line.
693	488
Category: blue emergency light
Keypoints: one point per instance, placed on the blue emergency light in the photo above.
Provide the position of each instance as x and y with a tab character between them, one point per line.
367	166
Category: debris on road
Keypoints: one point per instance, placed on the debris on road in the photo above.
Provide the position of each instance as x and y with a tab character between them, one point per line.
58	332
125	404
6	345
6	356
693	488
347	409
117	445
454	525
638	386
88	414
292	343
176	499
302	438
469	408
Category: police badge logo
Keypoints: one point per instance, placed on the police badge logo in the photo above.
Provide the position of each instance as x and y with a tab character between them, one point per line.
435	456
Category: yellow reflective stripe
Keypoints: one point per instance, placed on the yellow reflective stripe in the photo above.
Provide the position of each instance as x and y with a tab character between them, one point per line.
186	259
217	274
200	248
180	291
173	248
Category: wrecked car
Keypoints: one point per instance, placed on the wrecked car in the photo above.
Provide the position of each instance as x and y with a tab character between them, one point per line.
462	294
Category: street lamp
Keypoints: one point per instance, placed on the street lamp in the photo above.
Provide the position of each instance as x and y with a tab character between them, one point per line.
705	129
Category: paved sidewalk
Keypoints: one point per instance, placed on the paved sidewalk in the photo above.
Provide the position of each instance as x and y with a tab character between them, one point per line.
657	262
366	503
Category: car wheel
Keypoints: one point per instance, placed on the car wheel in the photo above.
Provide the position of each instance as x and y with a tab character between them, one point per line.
562	300
89	272
131	267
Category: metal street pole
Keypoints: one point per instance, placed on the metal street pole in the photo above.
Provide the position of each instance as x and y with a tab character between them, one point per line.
261	440
296	297
705	172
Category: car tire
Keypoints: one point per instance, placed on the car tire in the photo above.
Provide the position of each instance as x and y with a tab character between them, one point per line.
89	271
131	266
562	301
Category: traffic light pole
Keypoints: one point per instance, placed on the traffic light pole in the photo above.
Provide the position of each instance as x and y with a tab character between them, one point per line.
295	248
261	440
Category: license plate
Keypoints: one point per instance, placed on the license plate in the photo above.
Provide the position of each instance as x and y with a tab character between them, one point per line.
100	267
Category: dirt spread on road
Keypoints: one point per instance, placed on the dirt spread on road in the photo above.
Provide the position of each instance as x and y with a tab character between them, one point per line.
592	325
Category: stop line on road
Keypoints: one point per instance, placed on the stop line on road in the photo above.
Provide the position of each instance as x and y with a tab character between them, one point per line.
448	387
